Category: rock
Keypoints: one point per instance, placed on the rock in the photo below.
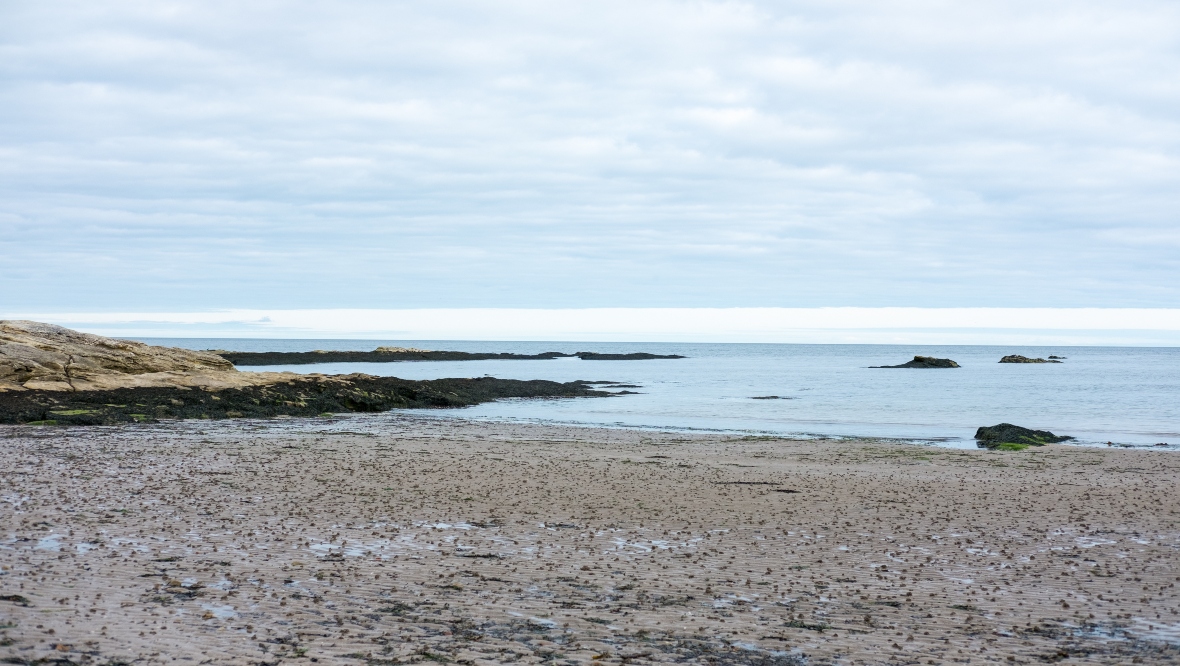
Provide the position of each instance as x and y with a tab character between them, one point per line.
1057	357
923	362
296	395
1016	358
634	356
399	354
1006	435
36	356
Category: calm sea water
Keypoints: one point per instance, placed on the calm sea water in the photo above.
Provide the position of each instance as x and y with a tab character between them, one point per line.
1099	394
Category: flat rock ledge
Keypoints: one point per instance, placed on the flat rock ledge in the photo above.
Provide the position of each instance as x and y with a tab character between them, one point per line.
402	355
299	396
923	362
1017	358
1005	436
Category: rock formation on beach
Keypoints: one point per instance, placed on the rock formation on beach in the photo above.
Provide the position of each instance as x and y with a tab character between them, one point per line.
1006	435
923	362
37	356
295	395
50	375
404	354
1017	358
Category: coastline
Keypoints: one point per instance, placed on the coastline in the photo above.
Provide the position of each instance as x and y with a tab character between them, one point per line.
409	538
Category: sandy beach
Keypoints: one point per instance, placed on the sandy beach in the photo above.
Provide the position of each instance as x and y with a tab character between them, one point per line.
407	538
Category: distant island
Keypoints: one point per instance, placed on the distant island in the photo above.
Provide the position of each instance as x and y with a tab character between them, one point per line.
402	354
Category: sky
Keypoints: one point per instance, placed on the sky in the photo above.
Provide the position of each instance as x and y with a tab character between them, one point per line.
184	156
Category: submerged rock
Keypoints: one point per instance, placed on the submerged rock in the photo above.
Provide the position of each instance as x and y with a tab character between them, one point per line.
1008	436
1017	358
923	362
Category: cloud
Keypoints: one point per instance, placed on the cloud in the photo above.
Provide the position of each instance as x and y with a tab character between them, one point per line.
527	154
995	326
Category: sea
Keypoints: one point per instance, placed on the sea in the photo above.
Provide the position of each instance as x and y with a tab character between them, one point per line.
1099	395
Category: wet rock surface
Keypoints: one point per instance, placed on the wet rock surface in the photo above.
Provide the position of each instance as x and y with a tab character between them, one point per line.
400	539
991	437
923	362
1016	358
301	396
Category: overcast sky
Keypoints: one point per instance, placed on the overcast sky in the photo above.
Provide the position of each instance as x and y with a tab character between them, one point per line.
164	156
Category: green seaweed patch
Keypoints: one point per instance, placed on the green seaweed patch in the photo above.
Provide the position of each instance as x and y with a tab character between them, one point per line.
73	412
1013	446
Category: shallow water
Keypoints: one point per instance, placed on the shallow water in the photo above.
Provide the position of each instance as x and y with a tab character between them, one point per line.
1099	394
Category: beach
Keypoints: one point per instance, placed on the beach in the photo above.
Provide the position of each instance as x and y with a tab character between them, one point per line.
406	538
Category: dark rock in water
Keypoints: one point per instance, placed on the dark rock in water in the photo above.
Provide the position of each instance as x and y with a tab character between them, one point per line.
768	397
1008	436
923	362
1017	358
1058	357
636	356
303	396
402	354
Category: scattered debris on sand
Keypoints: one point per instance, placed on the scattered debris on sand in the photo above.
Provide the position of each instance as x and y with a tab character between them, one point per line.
400	538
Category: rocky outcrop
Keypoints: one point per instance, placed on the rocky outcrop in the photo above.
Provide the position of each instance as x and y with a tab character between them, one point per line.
923	362
1008	436
404	354
50	375
296	395
37	356
634	356
1017	358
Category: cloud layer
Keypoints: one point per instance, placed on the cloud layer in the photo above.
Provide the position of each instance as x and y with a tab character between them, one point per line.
188	155
984	326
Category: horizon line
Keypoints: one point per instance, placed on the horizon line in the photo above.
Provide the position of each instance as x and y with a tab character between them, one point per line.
1137	327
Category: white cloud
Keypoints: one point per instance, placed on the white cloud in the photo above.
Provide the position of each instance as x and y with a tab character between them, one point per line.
385	154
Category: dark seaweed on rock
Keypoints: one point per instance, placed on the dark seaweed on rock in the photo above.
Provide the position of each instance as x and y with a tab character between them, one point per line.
1017	358
310	396
385	356
993	437
923	362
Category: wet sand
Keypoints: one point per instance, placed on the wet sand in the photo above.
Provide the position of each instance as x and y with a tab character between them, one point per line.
400	538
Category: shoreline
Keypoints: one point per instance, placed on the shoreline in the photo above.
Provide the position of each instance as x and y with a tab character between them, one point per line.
375	541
